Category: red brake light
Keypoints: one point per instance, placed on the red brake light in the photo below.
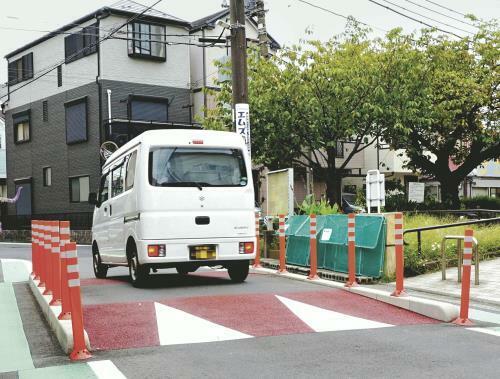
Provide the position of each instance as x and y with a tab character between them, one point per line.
246	247
156	250
197	142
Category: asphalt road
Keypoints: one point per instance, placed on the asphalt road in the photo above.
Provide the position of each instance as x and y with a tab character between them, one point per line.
281	347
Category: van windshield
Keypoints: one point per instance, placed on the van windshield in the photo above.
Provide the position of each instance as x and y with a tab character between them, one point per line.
196	167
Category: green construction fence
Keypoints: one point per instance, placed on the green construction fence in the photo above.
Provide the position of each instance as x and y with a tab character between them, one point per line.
370	232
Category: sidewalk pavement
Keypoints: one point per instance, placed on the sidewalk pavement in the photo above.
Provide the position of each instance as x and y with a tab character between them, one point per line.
487	292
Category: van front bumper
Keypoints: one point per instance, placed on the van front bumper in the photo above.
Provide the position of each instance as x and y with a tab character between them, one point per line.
177	251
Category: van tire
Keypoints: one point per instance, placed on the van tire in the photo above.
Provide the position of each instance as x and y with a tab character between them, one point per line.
100	270
138	273
238	271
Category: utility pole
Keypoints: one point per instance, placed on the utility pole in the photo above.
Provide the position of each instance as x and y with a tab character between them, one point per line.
261	24
241	111
238	52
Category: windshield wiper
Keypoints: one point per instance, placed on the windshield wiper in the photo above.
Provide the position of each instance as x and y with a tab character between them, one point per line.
198	185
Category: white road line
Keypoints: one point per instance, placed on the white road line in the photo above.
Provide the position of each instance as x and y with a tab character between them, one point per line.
324	320
179	327
106	370
494	331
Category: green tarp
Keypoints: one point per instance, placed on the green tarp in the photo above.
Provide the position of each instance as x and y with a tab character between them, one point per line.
332	243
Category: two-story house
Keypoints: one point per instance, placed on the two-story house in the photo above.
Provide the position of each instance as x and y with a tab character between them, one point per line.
106	76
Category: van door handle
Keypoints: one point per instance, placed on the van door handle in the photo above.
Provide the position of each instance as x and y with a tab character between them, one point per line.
110	211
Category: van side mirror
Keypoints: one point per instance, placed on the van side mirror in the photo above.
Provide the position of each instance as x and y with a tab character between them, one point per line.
93	199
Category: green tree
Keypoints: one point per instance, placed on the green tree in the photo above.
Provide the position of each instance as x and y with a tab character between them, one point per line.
308	98
443	102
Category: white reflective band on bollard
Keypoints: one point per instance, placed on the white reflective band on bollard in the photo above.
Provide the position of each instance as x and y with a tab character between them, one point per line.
72	268
56	250
70	254
350	239
74	283
64	230
467	250
398	241
467	262
351	230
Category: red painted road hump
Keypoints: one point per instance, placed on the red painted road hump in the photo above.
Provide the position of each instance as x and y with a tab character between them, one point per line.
129	325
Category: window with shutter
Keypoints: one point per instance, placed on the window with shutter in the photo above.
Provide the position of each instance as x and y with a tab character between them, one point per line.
81	44
21	69
45	111
143	108
76	121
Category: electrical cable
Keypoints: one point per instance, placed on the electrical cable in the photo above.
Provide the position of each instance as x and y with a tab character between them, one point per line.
441	14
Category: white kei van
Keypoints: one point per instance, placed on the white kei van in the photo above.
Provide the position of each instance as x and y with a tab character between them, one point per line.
175	198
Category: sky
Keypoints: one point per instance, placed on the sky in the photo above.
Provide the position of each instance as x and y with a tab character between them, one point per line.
287	20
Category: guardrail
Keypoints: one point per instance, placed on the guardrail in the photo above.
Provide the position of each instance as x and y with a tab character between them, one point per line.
471	213
460	252
444	226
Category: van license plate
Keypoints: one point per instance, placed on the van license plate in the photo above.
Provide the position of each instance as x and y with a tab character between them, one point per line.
202	252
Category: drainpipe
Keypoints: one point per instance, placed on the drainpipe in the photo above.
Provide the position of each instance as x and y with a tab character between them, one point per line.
109	110
204	76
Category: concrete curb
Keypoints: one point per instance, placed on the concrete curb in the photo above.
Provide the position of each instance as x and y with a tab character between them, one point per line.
431	308
61	328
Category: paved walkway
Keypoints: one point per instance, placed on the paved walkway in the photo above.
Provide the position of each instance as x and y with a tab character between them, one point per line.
488	290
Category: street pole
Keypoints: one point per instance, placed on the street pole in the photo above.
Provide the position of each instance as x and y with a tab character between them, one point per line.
241	111
238	52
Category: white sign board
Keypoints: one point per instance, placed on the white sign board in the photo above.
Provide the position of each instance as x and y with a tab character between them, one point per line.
375	190
242	121
280	193
327	233
416	192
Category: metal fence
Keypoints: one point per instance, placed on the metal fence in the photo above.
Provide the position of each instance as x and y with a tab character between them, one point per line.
78	220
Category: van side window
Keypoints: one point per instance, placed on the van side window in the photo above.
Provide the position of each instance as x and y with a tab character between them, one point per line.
104	188
130	174
117	181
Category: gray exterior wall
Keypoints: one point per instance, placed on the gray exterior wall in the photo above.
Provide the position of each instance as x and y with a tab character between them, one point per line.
178	97
48	147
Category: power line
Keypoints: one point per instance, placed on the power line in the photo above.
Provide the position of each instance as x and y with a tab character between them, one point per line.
340	15
414	19
442	14
83	49
424	16
448	9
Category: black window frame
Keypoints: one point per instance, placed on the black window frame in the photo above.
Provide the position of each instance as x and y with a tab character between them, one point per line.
132	41
127	170
14	124
76	102
13	76
81	44
145	98
71	188
44	177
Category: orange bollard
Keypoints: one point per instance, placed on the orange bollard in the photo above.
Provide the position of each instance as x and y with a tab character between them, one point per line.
256	263
42	254
399	248
313	249
56	266
281	233
351	250
463	319
34	249
47	244
65	298
79	348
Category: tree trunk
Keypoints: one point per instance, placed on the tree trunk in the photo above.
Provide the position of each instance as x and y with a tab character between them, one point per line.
449	193
334	189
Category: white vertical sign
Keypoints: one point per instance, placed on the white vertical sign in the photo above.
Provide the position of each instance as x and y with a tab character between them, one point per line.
242	120
375	190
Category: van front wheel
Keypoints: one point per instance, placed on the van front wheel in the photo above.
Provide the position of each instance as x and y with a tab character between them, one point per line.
100	270
238	271
138	273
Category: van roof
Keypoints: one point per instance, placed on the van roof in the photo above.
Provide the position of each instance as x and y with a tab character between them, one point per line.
180	137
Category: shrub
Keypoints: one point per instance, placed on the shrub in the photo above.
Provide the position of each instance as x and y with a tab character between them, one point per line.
311	206
481	202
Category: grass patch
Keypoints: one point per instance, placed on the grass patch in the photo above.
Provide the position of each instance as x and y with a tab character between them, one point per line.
488	237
